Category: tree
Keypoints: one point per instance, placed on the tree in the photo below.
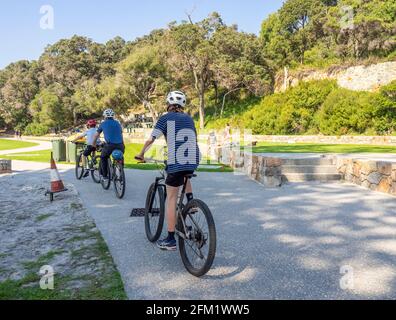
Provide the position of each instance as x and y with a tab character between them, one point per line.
46	109
190	50
145	75
69	63
18	86
276	42
239	63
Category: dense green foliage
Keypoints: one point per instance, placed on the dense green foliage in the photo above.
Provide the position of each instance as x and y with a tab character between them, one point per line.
224	72
77	78
320	107
323	32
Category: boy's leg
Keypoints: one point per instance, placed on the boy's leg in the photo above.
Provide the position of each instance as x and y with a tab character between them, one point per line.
172	195
104	159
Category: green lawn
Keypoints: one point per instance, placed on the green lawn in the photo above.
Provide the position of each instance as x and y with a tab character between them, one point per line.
12	144
264	147
130	162
35	156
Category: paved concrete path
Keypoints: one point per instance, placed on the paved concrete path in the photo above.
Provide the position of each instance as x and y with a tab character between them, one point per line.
287	243
42	145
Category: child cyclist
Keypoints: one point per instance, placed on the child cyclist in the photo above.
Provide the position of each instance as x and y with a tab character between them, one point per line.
90	137
183	157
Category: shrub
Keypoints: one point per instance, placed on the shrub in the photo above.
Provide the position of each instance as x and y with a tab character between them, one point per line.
346	112
384	113
291	112
36	129
318	107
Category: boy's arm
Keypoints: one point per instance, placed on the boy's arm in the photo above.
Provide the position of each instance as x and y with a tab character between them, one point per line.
158	132
146	147
79	137
96	137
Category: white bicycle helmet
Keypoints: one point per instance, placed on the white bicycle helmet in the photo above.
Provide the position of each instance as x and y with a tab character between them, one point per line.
178	98
109	113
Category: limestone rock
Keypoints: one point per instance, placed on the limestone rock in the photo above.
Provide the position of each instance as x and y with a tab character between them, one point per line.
368	167
271	182
385	168
393	188
393	175
375	178
366	184
385	185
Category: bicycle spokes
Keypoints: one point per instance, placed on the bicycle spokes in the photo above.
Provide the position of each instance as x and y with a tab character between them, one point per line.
198	236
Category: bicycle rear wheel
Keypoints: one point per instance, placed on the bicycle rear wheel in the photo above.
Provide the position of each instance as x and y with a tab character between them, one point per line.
155	213
95	173
80	167
107	183
199	250
119	180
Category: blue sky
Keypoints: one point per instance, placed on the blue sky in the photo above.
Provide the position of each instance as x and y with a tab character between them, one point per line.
22	38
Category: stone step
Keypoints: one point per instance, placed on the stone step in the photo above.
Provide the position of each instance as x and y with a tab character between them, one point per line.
307	177
329	169
309	162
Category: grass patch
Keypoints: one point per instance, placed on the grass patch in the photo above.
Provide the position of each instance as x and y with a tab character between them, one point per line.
34	266
43	217
35	156
28	288
108	286
14	144
265	147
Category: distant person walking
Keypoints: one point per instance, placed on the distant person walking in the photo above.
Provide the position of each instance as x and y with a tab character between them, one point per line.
212	144
227	139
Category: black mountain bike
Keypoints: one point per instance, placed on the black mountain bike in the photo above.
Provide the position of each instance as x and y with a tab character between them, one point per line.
195	228
92	161
116	174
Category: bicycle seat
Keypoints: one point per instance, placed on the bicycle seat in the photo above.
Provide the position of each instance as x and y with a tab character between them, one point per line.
190	176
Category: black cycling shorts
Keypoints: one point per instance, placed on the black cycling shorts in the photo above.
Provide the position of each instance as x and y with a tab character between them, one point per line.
176	179
88	151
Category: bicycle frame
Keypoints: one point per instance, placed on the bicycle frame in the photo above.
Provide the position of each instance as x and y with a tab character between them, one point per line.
160	183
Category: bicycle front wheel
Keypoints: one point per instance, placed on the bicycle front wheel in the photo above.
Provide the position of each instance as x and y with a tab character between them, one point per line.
119	180
155	212
198	250
80	167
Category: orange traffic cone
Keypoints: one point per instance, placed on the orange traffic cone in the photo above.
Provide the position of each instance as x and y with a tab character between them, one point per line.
57	185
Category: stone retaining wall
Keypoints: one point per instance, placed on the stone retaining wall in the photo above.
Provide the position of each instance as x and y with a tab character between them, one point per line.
375	175
5	166
264	170
358	78
366	140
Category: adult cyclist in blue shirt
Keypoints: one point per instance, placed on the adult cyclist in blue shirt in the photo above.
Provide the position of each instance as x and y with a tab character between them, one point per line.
113	136
183	157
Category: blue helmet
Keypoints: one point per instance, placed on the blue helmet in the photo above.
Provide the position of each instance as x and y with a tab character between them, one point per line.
117	155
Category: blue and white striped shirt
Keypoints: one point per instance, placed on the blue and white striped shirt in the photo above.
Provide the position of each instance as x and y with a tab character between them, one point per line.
181	136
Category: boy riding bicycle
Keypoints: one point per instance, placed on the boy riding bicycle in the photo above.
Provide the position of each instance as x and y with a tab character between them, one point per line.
92	142
183	157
